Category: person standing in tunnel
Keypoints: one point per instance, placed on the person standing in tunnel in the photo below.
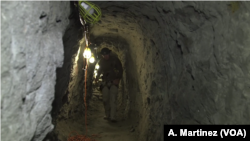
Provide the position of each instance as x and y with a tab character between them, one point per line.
111	68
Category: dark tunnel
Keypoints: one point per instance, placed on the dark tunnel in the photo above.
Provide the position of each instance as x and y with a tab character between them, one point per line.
183	63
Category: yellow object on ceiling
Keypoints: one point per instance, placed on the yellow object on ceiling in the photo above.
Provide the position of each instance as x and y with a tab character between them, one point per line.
90	12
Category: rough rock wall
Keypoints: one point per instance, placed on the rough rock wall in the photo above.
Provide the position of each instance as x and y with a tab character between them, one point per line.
188	63
72	66
75	88
192	67
31	50
217	63
209	71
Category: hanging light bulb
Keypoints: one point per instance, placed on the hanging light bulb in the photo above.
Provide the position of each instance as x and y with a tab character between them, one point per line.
97	66
95	71
92	59
87	53
90	12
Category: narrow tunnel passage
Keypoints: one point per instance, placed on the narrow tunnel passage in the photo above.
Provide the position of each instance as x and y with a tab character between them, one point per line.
72	112
184	63
157	73
73	107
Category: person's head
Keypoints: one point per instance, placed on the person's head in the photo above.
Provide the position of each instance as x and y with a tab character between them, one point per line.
105	53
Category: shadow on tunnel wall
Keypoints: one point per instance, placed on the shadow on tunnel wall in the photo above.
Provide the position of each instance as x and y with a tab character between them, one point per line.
71	39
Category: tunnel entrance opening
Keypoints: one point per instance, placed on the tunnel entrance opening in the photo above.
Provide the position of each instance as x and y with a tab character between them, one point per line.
69	97
128	46
95	110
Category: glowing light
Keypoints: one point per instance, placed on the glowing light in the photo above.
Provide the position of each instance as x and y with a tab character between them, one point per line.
77	57
92	59
97	66
87	53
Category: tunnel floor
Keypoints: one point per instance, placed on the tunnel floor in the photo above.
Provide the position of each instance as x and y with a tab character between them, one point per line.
103	130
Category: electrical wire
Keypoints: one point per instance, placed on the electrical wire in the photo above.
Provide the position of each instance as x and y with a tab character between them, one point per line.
86	68
85	97
79	137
